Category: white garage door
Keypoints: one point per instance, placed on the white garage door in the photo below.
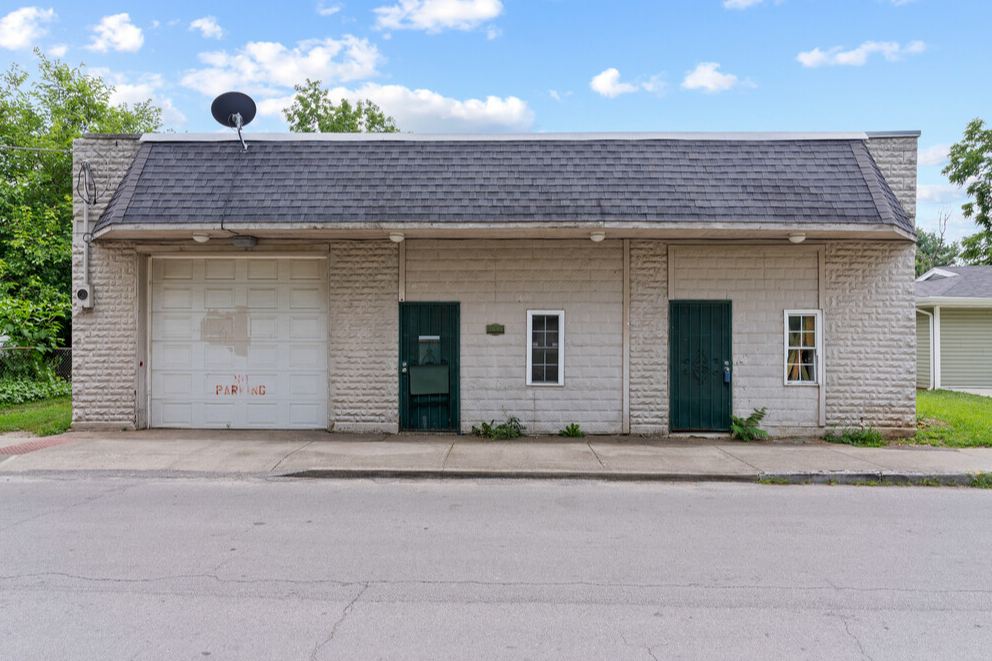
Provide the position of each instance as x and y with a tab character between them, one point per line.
239	343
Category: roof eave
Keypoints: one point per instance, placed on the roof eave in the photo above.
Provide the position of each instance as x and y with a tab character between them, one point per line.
954	302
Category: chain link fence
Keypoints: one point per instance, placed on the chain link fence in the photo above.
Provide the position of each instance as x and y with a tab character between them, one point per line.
28	363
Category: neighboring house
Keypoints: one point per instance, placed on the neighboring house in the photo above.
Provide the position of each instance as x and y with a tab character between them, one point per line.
630	283
954	328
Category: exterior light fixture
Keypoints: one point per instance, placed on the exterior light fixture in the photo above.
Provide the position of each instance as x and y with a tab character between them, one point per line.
396	237
201	237
244	241
597	236
797	237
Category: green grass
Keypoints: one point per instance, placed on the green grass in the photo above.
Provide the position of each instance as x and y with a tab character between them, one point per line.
953	419
981	480
45	418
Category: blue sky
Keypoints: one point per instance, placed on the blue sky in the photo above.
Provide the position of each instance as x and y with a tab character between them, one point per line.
552	65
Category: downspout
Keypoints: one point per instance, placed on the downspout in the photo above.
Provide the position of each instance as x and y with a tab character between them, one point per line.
936	347
930	386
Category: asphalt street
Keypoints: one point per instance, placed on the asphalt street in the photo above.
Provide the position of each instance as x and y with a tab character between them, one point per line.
158	568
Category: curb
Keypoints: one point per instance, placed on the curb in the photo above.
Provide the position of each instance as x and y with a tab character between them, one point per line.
843	477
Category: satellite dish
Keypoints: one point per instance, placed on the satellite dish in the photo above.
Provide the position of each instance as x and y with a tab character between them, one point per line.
234	109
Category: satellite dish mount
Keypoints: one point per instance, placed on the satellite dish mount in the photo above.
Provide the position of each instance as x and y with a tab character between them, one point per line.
235	110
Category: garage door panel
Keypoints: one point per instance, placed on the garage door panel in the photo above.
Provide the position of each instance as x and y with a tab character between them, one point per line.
175	297
306	328
172	356
263	298
174	269
263	327
263	269
241	356
308	356
307	386
300	414
220	269
172	327
306	298
172	385
262	356
263	415
218	356
218	298
171	414
307	269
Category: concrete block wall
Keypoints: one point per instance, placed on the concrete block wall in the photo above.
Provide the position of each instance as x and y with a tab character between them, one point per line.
761	282
871	335
497	282
648	337
896	158
104	337
363	326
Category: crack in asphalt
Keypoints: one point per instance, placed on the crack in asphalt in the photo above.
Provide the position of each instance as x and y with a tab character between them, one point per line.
856	639
334	628
506	584
646	648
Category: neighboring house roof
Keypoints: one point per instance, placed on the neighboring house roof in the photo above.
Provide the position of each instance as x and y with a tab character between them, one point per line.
618	178
950	284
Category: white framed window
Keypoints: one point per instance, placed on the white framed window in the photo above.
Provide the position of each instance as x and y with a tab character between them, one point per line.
803	347
545	347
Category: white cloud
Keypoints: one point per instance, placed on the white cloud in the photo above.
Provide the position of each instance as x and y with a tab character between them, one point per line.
425	111
58	50
492	32
608	84
155	24
21	28
740	4
116	33
706	77
323	10
265	68
940	193
857	57
132	89
436	15
208	27
936	155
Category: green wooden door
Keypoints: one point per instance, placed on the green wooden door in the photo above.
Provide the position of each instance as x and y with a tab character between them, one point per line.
700	353
428	370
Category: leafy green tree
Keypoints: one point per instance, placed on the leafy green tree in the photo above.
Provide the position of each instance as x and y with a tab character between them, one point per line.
313	111
976	250
970	164
39	119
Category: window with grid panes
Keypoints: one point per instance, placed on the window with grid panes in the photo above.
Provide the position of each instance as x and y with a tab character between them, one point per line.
802	347
545	352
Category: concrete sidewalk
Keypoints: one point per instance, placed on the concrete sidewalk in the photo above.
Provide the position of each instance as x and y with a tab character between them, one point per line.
320	454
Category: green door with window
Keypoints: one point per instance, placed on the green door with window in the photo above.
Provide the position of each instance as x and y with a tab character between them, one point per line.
700	364
428	369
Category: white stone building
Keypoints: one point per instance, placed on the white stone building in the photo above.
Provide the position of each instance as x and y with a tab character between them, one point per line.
629	283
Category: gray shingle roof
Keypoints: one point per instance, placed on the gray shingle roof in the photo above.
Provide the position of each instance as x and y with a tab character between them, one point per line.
970	282
493	181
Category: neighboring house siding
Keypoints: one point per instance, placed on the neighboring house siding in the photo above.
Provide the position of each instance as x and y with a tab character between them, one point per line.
761	282
922	351
896	158
497	282
648	337
103	338
363	324
870	335
965	348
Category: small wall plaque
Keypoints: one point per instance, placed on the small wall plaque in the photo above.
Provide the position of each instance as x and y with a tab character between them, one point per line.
495	329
